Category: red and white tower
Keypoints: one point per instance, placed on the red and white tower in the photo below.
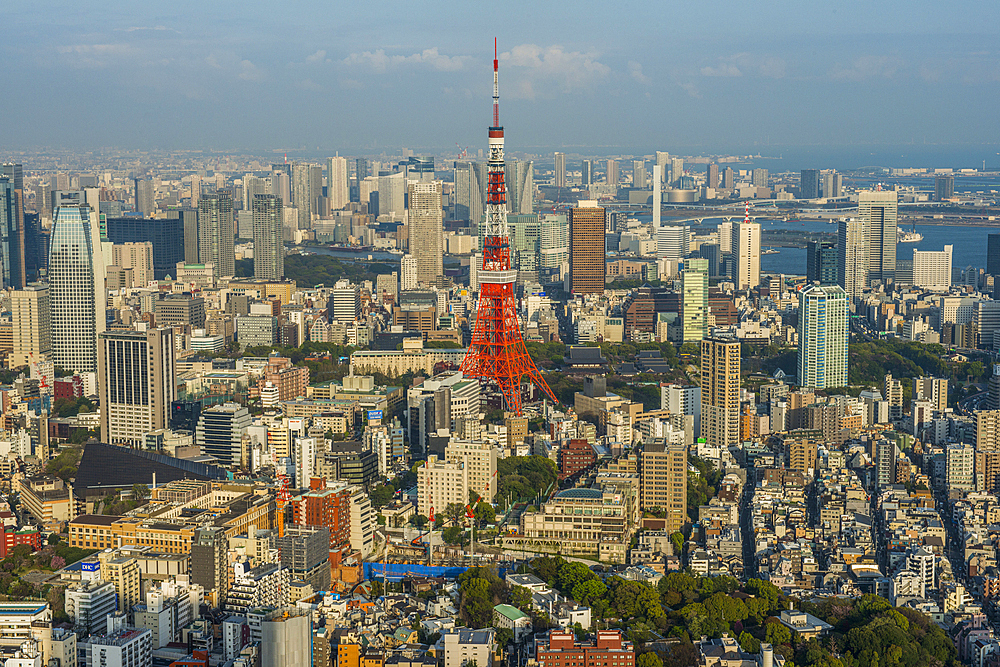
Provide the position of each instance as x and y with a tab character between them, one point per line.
497	354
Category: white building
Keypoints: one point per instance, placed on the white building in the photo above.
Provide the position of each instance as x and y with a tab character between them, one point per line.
480	459
682	401
407	273
345	304
305	461
746	255
823	336
852	257
462	646
24	622
673	242
89	603
124	647
363	519
263	586
439	484
932	269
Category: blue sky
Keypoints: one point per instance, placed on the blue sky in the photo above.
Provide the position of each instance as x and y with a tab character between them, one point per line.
363	77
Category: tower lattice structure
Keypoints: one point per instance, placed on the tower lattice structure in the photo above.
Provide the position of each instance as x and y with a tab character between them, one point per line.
497	353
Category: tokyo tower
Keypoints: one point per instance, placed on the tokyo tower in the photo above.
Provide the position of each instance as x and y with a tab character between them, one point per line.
497	354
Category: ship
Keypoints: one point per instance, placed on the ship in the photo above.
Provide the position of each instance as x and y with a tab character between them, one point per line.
912	236
770	251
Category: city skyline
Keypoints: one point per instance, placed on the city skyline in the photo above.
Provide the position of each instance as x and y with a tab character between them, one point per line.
745	76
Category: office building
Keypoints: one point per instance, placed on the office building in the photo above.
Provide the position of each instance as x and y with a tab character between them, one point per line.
407	273
833	185
944	187
712	176
31	314
88	604
166	234
145	197
305	552
932	269
877	210
694	300
852	257
746	255
470	192
993	254
720	391
12	234
252	186
307	189
663	480
559	174
426	231
639	175
821	262
519	177
338	189
124	573
76	289
672	241
209	563
676	169
587	264
759	178
683	400
286	639
344	304
216	233
268	247
184	310
586	173
220	432
934	390
809	184
823	336
728	178
611	177
137	383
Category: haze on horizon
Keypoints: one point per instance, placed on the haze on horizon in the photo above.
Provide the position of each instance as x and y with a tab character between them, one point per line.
360	78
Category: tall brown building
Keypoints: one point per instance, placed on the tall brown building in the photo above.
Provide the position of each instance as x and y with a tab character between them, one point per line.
586	249
720	391
663	480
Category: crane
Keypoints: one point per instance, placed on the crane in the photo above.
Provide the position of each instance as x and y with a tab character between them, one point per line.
284	497
42	380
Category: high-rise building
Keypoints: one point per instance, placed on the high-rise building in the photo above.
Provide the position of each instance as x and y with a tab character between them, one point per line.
559	179
673	242
663	480
587	265
344	304
220	432
611	177
252	186
821	262
712	175
361	169
407	273
944	187
216	233
36	247
934	390
426	231
694	303
268	247
663	162
809	184
728	178
12	237
520	179
470	192
759	178
145	199
31	313
138	257
76	288
137	384
166	234
833	184
932	269
993	254
720	391
338	187
525	232
307	188
639	174
823	336
676	169
852	257
877	210
746	255
391	194
586	173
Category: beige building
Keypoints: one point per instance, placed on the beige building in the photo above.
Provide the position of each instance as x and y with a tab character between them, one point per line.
48	499
932	389
135	256
426	232
137	382
32	333
663	477
125	574
440	483
720	391
579	522
480	459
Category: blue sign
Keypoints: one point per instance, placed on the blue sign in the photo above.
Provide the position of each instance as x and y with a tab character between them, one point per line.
374	414
90	567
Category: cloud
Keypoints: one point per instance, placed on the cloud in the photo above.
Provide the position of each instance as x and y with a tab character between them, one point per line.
747	64
691	90
249	71
867	67
724	69
95	55
155	28
635	71
552	68
380	61
316	57
308	84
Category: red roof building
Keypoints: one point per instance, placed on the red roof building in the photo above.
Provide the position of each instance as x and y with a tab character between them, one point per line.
574	456
563	650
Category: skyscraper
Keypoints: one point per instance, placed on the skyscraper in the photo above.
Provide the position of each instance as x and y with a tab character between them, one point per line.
759	178
76	288
586	173
746	255
361	169
663	477
338	187
720	391
676	169
832	184
944	187
712	176
993	254
268	248
877	210
611	178
657	195
673	242
639	174
809	184
520	178
137	384
166	235
11	234
823	313
559	178
852	257
31	313
145	200
821	262
932	269
663	162
694	304
220	432
587	264
728	178
426	232
215	232
407	273
307	188
470	192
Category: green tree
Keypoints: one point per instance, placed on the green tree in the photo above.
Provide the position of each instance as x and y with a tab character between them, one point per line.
454	512
776	633
649	659
485	513
749	643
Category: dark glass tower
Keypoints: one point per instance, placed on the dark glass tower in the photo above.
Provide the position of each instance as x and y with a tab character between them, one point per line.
821	262
166	235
